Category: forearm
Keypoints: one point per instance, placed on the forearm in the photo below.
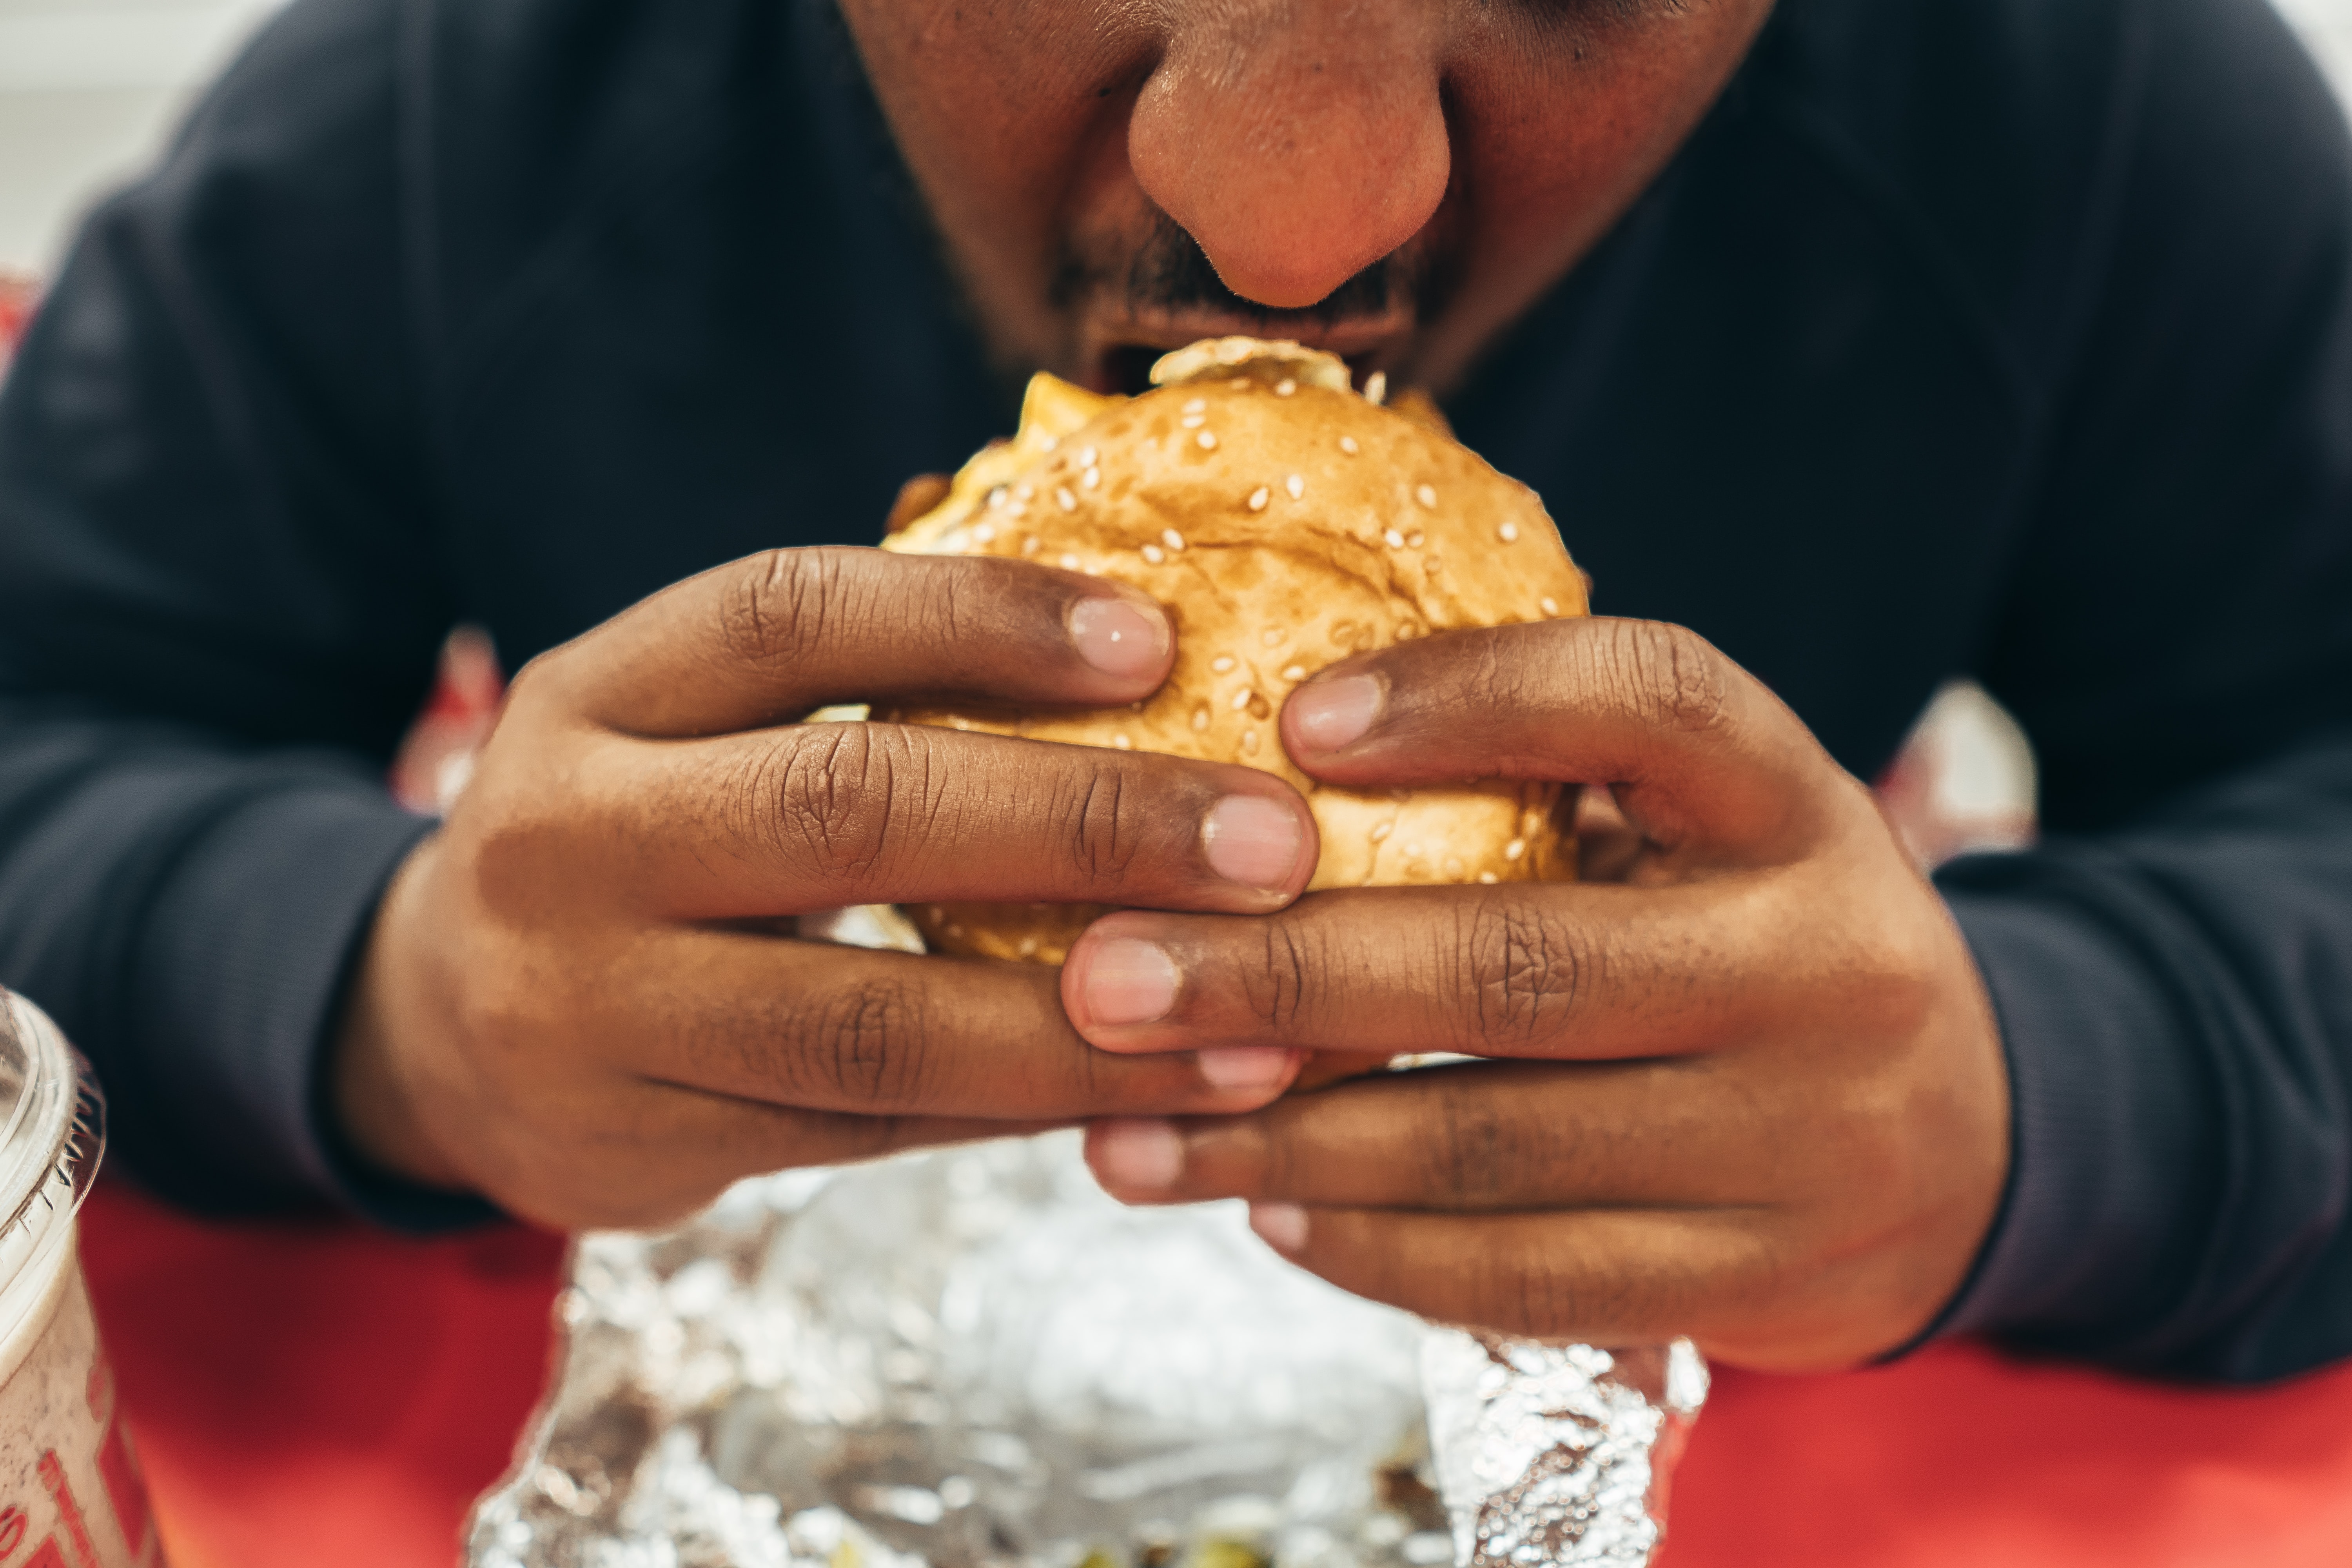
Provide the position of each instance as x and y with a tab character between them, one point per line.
2176	1000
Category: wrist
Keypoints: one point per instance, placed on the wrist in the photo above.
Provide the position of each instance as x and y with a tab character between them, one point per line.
375	1096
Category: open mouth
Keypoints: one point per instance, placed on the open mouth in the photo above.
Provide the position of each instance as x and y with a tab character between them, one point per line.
1126	367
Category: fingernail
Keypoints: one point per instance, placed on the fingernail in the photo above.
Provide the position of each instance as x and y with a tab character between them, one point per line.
1128	981
1252	840
1118	637
1137	1156
1244	1067
1328	714
1282	1227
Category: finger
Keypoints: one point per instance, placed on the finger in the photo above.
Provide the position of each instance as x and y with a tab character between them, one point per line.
1476	1137
1611	1276
1526	970
771	636
1697	749
823	816
819	1027
673	1151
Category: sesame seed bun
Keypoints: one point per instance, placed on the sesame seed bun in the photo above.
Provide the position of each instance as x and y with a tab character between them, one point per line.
1286	522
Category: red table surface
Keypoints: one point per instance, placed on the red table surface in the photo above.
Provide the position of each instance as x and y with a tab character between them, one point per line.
312	1393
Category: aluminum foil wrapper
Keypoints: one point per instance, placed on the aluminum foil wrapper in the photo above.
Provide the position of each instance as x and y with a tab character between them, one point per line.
1557	1454
975	1357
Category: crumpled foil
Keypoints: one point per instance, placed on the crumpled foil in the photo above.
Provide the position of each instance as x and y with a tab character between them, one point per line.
974	1356
1557	1454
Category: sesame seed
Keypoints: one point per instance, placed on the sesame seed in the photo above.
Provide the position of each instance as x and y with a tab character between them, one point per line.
1293	672
1381	830
938	913
1249	742
1024	492
996	498
1069	562
1284	387
1296	486
1257	499
1199	716
985	532
1090	478
1425	494
1514	848
1193	421
1048	442
1029	542
1195	404
1347	444
1062	493
1123	742
1376	387
1208	440
1028	946
1018	509
1416	538
1550	606
1486	878
1413	851
1172	539
1396	540
954	930
1452	866
1508	531
1088	457
1153	553
1272	636
1223	663
1242	699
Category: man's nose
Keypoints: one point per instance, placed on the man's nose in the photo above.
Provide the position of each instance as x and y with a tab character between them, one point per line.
1297	140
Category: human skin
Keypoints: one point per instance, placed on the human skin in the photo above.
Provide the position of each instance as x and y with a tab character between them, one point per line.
1754	1090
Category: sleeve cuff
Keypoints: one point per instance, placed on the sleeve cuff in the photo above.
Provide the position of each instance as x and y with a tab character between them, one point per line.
2110	1141
250	947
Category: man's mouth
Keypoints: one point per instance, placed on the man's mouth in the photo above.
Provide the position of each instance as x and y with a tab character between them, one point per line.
1118	355
1132	300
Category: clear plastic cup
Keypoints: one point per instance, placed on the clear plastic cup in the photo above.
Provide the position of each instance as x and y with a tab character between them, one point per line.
70	1491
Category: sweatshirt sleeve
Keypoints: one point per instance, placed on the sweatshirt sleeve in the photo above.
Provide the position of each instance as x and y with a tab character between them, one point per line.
2177	1005
219	607
2172	965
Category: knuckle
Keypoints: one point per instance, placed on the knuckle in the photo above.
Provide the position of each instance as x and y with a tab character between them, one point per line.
1280	990
837	800
864	1044
536	684
1527	969
1101	820
1669	675
1479	1154
780	604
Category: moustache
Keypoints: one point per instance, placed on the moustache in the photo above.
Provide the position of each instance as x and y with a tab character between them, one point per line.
1170	273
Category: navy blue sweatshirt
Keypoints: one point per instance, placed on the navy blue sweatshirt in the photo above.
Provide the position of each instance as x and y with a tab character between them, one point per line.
2003	338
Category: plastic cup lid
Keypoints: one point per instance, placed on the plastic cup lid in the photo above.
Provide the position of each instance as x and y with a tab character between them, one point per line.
52	1133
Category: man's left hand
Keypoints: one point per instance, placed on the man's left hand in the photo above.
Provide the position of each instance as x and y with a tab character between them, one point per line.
1753	1092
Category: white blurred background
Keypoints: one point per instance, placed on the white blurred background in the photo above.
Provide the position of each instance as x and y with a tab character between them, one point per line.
89	89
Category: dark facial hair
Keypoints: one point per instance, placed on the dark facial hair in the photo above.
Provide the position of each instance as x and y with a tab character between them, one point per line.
1170	271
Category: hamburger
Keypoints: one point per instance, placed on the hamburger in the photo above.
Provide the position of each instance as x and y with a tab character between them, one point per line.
1286	521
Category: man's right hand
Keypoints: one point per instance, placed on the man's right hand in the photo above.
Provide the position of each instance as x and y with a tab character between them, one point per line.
580	998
